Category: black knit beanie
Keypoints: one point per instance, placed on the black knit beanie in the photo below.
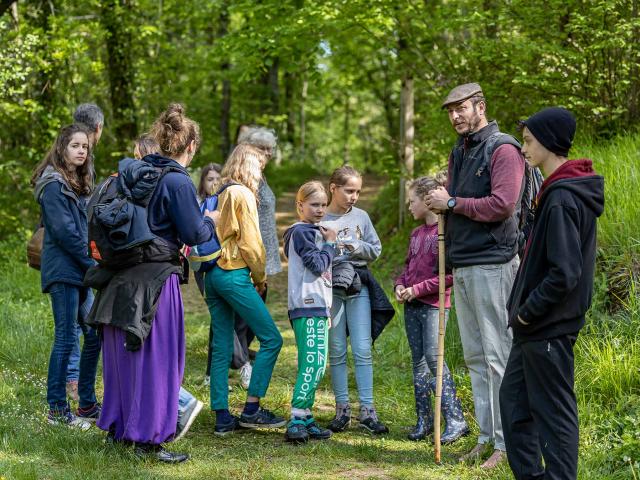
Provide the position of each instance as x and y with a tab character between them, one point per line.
554	128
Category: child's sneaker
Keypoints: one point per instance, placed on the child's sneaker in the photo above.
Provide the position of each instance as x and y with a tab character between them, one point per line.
245	375
223	429
186	419
315	431
296	431
369	421
263	418
342	419
65	417
90	414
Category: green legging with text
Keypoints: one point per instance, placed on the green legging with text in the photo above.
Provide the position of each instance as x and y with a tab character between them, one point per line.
312	340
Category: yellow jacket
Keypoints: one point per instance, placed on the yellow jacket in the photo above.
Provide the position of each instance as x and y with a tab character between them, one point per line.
238	226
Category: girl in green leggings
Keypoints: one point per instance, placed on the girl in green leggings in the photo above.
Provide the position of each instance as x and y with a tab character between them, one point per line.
310	249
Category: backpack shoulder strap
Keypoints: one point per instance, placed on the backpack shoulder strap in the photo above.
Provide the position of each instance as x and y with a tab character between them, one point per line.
497	140
225	186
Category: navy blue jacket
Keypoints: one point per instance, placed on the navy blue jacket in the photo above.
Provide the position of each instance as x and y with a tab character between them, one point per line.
64	251
174	213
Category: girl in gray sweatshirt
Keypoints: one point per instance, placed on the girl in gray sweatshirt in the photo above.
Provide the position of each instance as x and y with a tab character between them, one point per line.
358	244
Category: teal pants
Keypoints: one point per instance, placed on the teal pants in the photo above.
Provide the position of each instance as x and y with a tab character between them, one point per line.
312	340
228	292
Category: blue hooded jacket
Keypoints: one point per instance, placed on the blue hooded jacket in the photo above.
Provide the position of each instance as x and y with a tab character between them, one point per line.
64	251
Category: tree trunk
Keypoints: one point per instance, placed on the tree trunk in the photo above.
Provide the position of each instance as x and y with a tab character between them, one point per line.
345	129
5	5
115	18
225	103
303	127
406	142
269	88
274	87
289	86
634	88
47	78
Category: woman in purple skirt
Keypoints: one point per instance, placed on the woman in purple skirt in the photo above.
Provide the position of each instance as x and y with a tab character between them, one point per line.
141	307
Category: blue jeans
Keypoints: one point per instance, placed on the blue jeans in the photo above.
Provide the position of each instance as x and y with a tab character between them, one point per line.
65	301
353	312
185	399
73	370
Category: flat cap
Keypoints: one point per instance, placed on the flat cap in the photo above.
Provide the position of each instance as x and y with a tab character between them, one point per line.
461	93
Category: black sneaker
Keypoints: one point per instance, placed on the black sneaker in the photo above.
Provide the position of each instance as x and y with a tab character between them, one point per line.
90	414
263	418
157	452
374	426
315	431
339	424
296	431
222	429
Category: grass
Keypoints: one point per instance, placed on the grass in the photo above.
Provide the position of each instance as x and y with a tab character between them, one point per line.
607	380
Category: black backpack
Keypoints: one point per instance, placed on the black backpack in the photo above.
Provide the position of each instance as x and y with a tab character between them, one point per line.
532	182
110	195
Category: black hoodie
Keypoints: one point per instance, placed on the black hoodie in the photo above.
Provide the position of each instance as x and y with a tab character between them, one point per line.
554	285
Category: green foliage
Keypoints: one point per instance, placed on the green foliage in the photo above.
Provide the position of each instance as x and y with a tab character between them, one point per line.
289	176
325	75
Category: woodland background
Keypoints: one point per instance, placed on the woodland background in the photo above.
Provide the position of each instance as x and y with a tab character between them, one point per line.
340	81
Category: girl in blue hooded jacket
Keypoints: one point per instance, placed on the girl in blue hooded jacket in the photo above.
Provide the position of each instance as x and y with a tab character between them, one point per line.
62	182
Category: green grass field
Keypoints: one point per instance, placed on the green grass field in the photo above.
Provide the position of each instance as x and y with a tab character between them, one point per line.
607	381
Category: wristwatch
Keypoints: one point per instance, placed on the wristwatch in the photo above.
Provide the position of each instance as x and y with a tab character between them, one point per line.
451	203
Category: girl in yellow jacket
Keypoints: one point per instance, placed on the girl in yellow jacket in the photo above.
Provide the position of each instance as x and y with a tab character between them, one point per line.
233	286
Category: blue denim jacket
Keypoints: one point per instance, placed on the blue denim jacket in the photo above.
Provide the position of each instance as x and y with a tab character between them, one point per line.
64	252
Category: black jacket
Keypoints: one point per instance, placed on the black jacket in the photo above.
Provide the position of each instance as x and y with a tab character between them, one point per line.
381	309
128	299
554	285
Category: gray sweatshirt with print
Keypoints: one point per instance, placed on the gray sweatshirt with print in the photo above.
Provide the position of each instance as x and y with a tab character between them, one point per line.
357	240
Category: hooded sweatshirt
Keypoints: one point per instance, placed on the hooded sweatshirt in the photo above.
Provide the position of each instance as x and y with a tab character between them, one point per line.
554	285
310	258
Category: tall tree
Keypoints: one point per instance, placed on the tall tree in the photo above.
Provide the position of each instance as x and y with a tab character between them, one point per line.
225	103
116	16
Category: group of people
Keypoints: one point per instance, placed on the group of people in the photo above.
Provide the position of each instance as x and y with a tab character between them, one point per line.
520	303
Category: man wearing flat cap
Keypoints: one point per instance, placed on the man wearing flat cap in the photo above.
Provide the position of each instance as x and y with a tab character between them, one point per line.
482	199
547	306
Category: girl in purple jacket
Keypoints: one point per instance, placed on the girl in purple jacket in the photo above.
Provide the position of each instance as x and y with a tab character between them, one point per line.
417	288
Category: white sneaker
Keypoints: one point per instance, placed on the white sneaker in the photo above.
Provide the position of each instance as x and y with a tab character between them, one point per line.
67	418
185	422
245	375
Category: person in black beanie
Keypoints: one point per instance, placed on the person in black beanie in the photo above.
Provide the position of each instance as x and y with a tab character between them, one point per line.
547	306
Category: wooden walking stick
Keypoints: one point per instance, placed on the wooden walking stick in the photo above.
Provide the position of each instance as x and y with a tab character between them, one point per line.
441	332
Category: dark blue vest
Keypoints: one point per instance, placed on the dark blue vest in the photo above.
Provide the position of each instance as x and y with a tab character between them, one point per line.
469	242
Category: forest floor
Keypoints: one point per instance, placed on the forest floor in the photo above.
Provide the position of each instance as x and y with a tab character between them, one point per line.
31	449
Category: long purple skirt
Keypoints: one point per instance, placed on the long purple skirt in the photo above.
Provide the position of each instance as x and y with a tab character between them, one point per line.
141	388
